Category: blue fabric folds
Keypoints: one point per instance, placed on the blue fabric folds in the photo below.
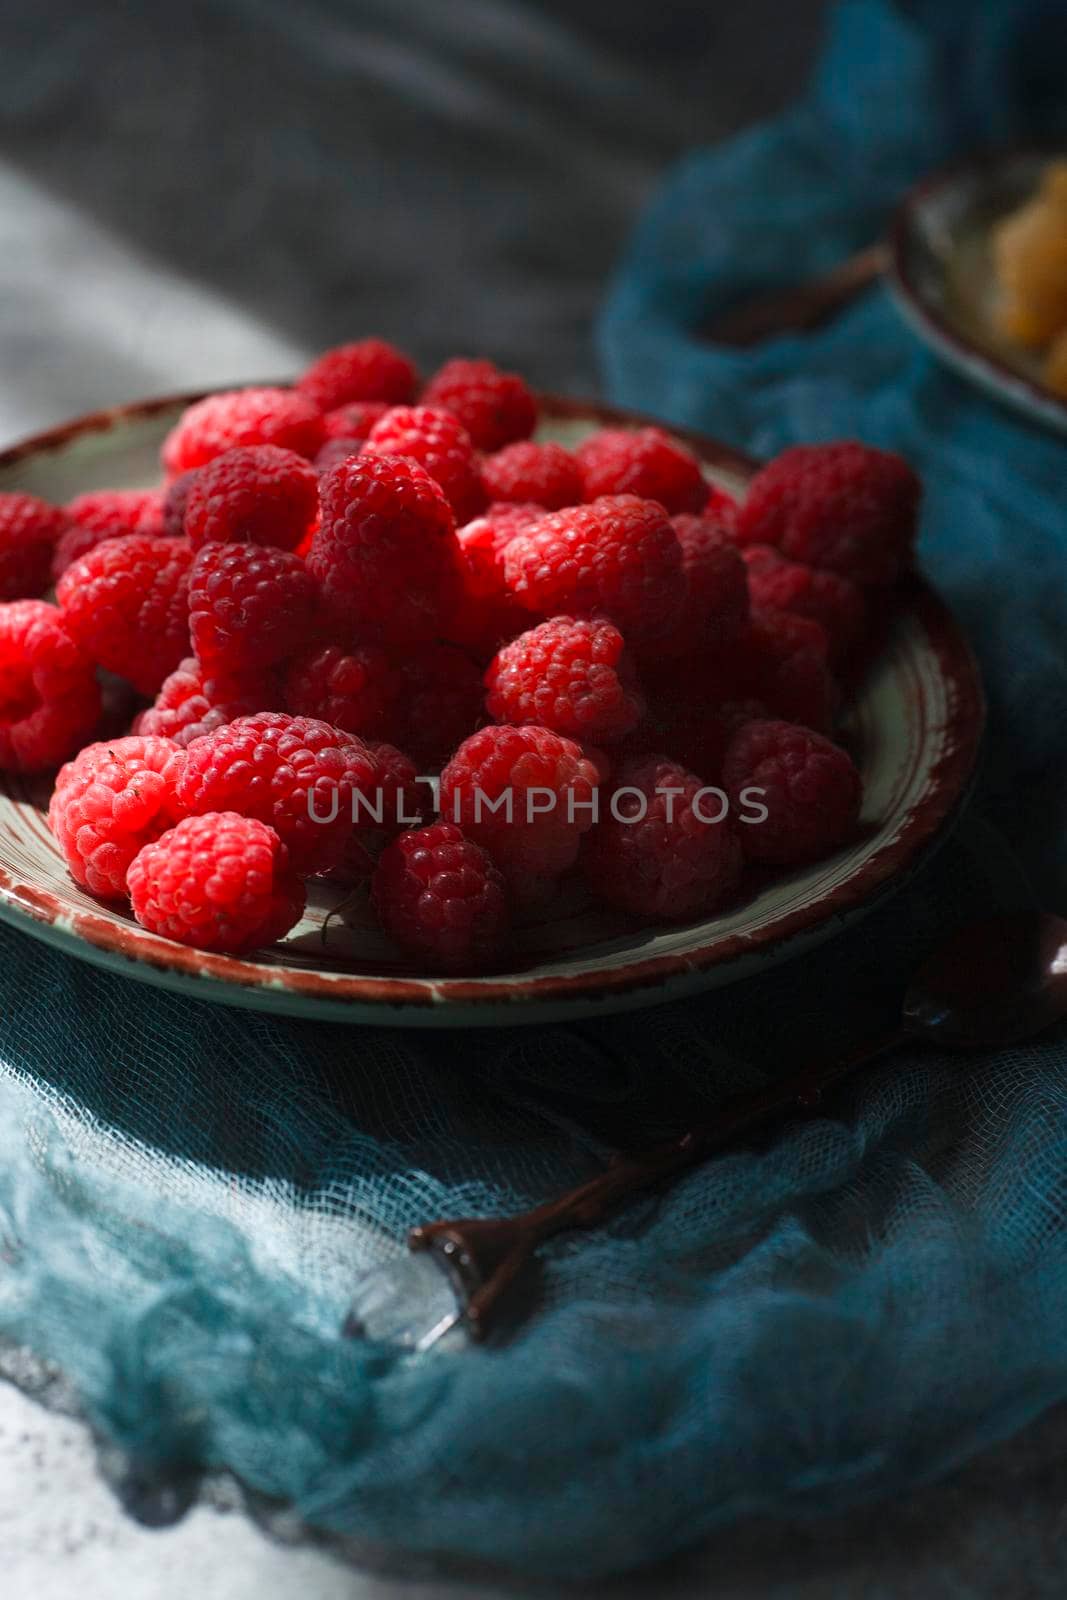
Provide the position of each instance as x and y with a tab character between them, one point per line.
844	1310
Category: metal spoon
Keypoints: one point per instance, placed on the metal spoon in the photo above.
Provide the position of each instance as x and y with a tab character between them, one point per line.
987	985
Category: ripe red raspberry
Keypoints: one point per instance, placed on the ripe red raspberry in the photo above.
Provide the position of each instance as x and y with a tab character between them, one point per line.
218	882
385	551
715	611
619	556
488	614
174	497
242	417
438	442
106	514
440	704
297	774
844	506
353	421
367	369
127	604
258	494
109	802
190	703
495	407
355	687
666	848
542	474
833	601
250	606
543	788
401	802
439	896
571	675
783	663
810	788
29	531
646	462
49	699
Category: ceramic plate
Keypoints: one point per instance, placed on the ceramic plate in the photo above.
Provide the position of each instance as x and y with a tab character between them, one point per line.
914	726
941	276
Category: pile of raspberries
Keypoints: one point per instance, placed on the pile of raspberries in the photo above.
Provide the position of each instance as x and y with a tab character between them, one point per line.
372	632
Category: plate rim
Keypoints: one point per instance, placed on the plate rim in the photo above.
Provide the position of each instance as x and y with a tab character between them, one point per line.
512	997
1028	395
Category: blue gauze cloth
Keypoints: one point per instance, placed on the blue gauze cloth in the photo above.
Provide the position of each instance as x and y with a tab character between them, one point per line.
187	1194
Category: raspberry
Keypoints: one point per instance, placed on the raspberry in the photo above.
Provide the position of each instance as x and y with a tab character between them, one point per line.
844	506
355	688
127	604
259	494
572	676
441	899
438	442
646	462
368	369
546	783
297	774
174	497
665	850
385	551
833	601
783	663
692	729
190	703
715	610
488	614
219	882
49	699
809	786
106	514
335	451
109	802
250	606
401	803
29	531
242	417
495	407
619	556
353	422
544	474
441	702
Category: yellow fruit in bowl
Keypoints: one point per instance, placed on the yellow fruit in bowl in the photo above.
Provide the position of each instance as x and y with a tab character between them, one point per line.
1030	256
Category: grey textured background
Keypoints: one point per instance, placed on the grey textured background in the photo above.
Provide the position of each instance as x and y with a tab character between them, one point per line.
206	193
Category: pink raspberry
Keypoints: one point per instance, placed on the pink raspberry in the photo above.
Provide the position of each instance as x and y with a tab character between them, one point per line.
385	552
666	849
828	598
573	676
715	611
106	514
257	494
440	704
438	442
250	606
49	699
218	882
495	407
542	474
845	506
127	604
353	422
809	787
109	802
543	780
297	774
30	529
646	462
191	703
366	369
439	897
355	687
242	417
619	556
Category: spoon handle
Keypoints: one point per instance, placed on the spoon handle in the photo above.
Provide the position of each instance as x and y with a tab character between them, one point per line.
802	306
497	1248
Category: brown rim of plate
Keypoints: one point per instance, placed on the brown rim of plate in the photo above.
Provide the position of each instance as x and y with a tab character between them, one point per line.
902	231
930	817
